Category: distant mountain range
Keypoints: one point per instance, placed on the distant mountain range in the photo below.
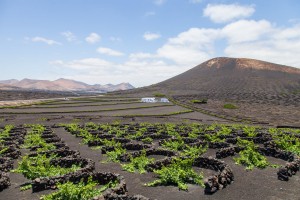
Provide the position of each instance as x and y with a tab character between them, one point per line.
60	85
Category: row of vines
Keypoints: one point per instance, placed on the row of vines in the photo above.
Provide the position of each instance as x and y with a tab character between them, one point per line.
139	148
49	164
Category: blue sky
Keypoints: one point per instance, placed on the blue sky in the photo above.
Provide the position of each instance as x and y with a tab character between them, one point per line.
140	41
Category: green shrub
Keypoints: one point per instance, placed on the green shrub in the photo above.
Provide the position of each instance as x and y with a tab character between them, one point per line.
114	156
80	191
199	101
174	144
230	106
147	140
157	94
34	139
194	151
26	187
250	131
5	132
3	150
39	166
219	136
179	173
286	142
138	163
250	157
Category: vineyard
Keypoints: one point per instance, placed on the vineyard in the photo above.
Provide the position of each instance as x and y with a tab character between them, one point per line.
178	155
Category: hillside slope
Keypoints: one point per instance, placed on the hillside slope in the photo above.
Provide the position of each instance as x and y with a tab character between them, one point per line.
234	75
261	91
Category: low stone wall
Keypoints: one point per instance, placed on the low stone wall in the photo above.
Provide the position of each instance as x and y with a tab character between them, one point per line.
219	181
277	153
11	144
4	181
6	164
229	151
290	169
217	145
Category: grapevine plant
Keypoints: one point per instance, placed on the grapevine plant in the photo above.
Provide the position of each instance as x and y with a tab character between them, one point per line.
81	191
40	166
114	155
176	145
5	132
287	142
179	173
193	151
250	157
138	163
34	139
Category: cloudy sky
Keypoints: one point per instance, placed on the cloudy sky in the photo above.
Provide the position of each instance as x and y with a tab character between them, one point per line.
140	41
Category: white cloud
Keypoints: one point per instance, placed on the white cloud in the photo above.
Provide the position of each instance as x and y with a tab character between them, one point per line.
190	47
244	38
110	52
280	52
220	13
45	40
69	36
288	33
93	38
159	2
281	46
246	30
151	36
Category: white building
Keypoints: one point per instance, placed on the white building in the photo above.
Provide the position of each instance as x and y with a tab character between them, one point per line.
164	100
154	100
149	100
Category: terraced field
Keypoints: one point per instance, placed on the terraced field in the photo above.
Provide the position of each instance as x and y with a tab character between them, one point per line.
275	109
120	148
148	160
96	108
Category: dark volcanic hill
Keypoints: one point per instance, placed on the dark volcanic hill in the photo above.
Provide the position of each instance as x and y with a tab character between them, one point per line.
234	75
262	91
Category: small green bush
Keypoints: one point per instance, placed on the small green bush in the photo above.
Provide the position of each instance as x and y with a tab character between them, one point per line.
179	173
114	156
157	94
138	163
199	101
147	140
250	157
176	145
80	191
40	166
230	106
193	151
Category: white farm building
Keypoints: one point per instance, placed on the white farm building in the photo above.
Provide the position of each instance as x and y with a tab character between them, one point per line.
164	100
148	100
154	100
